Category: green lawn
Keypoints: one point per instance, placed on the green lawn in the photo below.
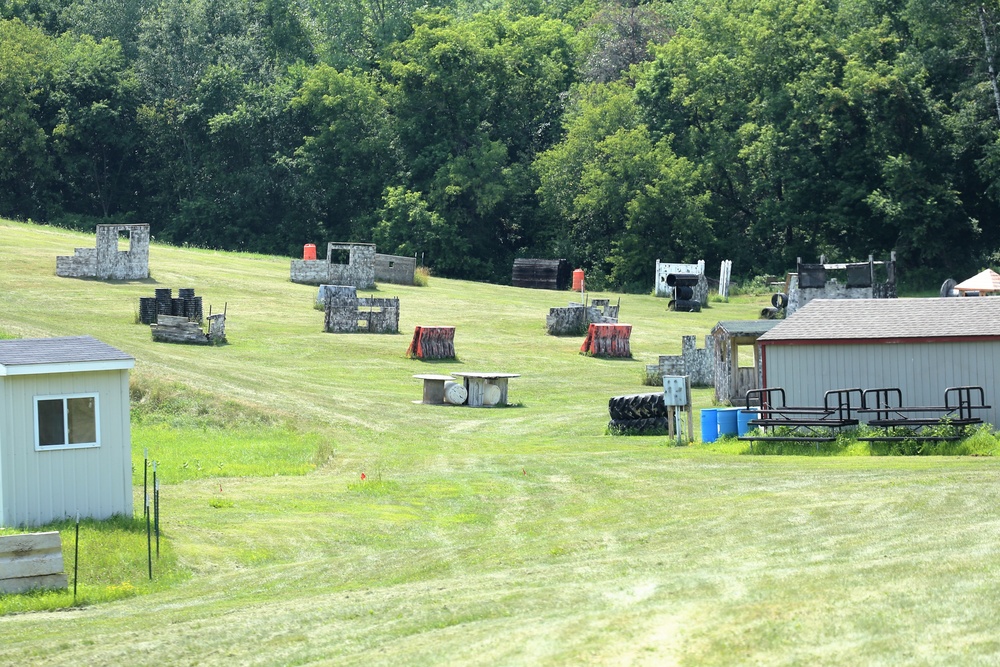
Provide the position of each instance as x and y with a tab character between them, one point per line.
523	535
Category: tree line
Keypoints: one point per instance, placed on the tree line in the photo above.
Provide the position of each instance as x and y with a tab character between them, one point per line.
469	132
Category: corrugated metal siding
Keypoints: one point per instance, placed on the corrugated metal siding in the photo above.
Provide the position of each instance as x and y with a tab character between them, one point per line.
921	370
39	487
5	421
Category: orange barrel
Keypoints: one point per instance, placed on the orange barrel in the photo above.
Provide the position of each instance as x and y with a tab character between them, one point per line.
309	251
577	280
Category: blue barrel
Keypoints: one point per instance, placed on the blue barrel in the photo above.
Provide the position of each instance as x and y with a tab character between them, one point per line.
709	425
743	418
727	421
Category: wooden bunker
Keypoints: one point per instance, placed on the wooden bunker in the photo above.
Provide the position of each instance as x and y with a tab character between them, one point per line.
541	273
733	380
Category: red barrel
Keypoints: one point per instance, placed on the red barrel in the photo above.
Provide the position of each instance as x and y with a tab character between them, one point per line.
309	251
577	280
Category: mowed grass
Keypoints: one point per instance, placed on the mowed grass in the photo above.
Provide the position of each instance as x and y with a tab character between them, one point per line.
517	536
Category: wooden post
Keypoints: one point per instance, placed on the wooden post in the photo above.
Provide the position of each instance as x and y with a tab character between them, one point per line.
690	411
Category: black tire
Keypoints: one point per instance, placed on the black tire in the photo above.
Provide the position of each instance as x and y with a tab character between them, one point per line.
639	406
639	426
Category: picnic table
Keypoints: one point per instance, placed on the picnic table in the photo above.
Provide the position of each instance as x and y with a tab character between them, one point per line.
477	384
886	405
807	423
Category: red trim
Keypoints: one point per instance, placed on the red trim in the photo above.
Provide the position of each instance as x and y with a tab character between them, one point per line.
763	366
883	341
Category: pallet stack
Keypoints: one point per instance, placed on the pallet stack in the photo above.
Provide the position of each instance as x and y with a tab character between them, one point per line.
432	343
608	340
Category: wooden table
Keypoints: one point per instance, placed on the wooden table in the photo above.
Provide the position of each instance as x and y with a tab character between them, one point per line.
476	384
434	388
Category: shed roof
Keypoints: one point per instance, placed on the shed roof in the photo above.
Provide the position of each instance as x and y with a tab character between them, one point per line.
859	320
71	354
746	327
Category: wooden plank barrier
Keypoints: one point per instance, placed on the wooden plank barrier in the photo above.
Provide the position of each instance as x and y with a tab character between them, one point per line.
31	560
607	340
432	343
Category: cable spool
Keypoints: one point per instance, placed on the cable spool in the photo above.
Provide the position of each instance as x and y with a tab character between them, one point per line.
491	395
455	393
947	287
779	300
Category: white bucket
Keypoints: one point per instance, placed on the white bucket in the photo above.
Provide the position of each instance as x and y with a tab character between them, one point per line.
491	394
455	393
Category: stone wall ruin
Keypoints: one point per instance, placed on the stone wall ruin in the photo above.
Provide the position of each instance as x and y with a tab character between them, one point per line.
107	261
574	320
699	365
345	264
861	280
345	312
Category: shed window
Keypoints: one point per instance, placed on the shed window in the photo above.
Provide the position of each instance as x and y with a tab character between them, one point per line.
66	421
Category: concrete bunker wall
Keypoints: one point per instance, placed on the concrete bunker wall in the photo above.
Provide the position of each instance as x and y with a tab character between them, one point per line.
395	269
106	261
358	271
346	312
573	321
698	364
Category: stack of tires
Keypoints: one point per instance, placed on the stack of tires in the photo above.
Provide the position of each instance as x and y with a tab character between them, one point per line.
638	413
683	284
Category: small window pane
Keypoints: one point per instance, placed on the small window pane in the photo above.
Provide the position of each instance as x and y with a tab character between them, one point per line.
51	428
82	421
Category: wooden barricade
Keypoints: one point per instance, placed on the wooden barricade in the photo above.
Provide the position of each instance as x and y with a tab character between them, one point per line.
31	560
432	343
608	340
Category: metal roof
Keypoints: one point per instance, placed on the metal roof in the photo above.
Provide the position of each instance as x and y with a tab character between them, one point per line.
746	327
890	319
60	355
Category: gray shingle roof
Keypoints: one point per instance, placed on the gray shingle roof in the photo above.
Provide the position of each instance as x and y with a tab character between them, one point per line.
746	327
880	319
73	349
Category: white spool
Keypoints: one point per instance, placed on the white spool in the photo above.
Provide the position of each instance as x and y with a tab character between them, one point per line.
455	393
491	394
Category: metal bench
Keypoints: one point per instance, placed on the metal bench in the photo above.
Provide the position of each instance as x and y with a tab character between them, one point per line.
808	423
886	404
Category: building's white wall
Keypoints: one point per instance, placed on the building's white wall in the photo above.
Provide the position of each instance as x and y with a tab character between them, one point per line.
41	486
921	370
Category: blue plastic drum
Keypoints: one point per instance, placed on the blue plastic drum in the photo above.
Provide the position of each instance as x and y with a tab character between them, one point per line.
727	421
709	425
743	418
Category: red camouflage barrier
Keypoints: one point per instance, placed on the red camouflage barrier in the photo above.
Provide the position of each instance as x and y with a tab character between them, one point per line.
608	340
432	343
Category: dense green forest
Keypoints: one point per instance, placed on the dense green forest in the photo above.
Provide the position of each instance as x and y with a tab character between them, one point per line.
471	132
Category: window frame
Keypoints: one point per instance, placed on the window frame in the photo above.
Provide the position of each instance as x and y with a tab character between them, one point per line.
65	404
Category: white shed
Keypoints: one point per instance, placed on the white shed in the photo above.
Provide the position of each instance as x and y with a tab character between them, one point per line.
65	439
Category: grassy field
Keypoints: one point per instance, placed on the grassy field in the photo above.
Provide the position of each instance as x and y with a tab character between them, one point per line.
523	535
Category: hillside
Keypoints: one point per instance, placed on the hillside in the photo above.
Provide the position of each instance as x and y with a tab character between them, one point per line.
517	536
